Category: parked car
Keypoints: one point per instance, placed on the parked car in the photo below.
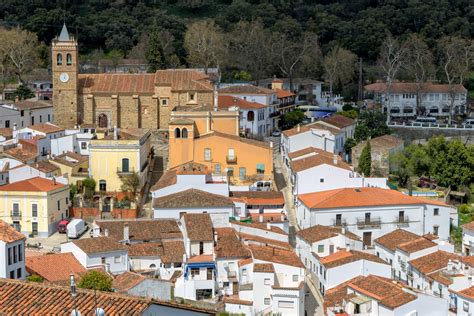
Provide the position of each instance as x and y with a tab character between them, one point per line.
276	133
76	228
469	122
62	226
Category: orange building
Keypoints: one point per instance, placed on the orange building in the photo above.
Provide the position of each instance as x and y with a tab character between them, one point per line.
212	138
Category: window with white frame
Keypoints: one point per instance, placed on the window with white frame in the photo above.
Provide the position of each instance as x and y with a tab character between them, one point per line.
320	248
266	281
295	277
465	306
207	154
266	301
285	304
117	259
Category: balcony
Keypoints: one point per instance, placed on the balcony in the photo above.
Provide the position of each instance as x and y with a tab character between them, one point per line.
368	223
231	273
402	221
15	215
231	159
126	172
339	223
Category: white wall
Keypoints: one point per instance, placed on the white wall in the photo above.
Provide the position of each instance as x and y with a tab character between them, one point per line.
13	115
259	232
185	182
26	172
63	144
16	263
174	212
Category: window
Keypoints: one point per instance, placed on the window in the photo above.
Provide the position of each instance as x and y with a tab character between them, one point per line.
266	281
230	171
435	230
16	209
436	212
12	274
378	254
83	145
117	259
244	272
164	102
10	259
102	185
67	201
41	119
59	59
367	217
20	253
465	307
260	168
192	97
59	205
207	155
22	113
266	301
321	180
217	168
15	258
231	153
184	133
295	278
195	271
125	165
285	304
242	173
69	59
34	210
338	219
18	273
177	133
320	248
49	117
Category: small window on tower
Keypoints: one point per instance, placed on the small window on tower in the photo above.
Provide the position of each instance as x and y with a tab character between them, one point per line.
59	59
69	59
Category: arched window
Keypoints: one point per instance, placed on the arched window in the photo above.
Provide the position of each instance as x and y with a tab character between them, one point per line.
59	59
184	133
69	59
177	133
153	266
250	116
125	165
102	185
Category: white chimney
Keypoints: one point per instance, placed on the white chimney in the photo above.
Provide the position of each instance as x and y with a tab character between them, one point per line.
260	218
271	144
115	133
126	234
334	160
106	232
298	128
14	126
216	98
282	216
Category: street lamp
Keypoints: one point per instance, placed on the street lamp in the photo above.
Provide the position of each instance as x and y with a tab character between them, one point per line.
72	284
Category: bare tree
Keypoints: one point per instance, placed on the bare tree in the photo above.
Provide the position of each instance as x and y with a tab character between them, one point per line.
290	52
419	64
457	55
339	65
5	63
22	50
390	61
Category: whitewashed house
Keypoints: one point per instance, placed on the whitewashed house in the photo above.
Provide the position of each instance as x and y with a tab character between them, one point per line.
468	238
6	164
25	113
373	212
102	252
464	303
12	252
40	135
42	169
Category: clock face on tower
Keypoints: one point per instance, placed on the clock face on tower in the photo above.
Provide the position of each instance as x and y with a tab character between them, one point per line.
64	77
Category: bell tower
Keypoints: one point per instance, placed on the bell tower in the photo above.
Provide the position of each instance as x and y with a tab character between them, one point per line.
65	68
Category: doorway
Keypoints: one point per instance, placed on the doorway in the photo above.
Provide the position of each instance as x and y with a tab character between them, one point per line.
367	239
34	229
103	121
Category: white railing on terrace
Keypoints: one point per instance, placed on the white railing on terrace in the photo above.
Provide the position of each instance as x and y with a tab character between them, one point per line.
432	125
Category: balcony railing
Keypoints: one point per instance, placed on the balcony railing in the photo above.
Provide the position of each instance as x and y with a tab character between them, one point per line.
367	223
16	216
402	221
339	223
231	159
122	172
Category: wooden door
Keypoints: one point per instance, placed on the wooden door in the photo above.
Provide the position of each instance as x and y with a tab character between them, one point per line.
367	239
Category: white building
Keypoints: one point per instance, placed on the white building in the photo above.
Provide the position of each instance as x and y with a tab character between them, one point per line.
434	99
25	113
101	252
6	164
12	252
40	135
372	212
43	169
468	238
190	175
465	301
308	91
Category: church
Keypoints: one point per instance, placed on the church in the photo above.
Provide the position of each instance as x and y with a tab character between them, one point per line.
106	100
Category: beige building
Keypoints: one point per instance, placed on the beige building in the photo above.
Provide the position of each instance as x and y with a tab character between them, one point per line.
34	206
74	167
119	154
124	100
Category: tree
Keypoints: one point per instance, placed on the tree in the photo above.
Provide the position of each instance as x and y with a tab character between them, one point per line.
131	183
457	55
96	280
89	187
390	61
115	56
348	145
339	66
159	50
365	160
370	124
402	167
419	64
291	119
23	92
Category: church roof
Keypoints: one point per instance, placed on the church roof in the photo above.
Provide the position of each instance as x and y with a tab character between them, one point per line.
64	35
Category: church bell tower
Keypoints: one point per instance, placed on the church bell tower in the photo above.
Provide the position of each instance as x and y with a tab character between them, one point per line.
65	68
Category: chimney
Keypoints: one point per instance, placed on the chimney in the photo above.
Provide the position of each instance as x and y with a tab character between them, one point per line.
115	133
106	232
334	160
298	128
282	217
126	234
14	126
17	99
260	218
216	98
54	180
277	83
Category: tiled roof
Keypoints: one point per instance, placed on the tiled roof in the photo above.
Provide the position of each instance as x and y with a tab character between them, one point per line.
21	154
183	80
305	151
232	300
9	234
125	134
276	255
343	257
249	141
54	267
145	249
385	141
356	197
199	227
338	121
262	226
317	159
173	251
46	128
416	245
170	176
33	104
228	245
126	281
201	258
227	101
44	166
98	244
263	268
180	121
70	159
192	198
336	295
253	239
260	197
411	87
469	292
244	262
284	93
395	238
319	232
32	185
469	226
308	127
6	132
245	89
141	229
434	261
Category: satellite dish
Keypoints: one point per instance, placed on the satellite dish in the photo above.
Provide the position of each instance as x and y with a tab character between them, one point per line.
99	311
75	312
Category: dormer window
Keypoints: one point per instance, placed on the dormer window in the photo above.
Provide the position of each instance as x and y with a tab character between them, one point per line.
192	97
59	59
69	59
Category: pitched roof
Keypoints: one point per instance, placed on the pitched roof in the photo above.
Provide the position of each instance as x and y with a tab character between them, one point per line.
99	244
21	154
416	245
338	121
395	238
284	93
319	232
70	159
434	261
46	128
385	141
356	197
306	151
6	132
33	104
245	89
254	239
244	140
262	226
126	281
276	255
199	227
192	198
264	268
227	101
145	249
141	229
55	267
244	262
184	80
318	158
411	87
9	234
260	197
44	166
125	134
170	176
32	185
228	245
173	251
343	257
308	127
469	226
469	292
335	296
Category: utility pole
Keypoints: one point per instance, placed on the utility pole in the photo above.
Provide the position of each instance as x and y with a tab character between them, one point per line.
360	96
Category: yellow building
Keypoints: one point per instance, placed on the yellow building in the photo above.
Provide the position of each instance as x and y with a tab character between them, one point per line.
34	206
119	154
212	138
73	167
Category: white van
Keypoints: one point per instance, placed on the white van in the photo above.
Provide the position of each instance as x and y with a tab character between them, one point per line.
76	228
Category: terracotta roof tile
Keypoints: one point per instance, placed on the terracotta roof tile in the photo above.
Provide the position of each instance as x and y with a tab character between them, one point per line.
469	226
434	261
410	87
244	262
116	83
126	281
70	159
192	198
276	255
338	121
45	166
54	267
245	89
98	244
201	258
284	93
261	241
469	292
32	185
395	238
355	197
170	176
343	257
336	295
199	227
141	229
9	234
6	132
418	244
318	159
33	104
227	101
319	232
183	80
228	245
173	251
146	249
46	128
306	151
249	141
312	126
385	141
260	197
21	154
232	300
262	226
263	268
